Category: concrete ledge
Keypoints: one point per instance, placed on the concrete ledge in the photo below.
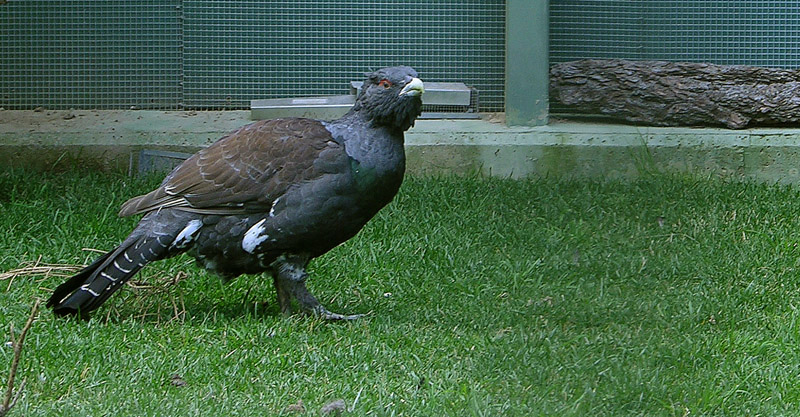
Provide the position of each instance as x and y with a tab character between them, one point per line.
107	139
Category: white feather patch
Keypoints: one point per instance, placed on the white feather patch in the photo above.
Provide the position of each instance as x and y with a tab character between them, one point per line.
272	210
186	235
253	237
85	287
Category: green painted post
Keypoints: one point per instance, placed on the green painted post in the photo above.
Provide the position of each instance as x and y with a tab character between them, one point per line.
527	66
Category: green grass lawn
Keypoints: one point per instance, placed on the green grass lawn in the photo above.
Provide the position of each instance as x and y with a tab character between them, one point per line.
664	296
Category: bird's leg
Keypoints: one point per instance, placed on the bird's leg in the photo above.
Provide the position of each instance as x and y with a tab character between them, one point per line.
284	299
290	283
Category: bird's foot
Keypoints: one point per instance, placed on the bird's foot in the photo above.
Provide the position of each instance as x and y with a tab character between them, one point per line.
289	289
328	315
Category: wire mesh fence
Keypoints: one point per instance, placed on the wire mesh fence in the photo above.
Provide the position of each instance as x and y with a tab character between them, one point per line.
211	54
727	32
109	54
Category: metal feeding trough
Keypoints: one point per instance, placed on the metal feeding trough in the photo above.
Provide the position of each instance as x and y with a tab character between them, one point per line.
436	95
324	108
440	101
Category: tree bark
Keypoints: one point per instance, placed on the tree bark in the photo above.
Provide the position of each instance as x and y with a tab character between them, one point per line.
678	93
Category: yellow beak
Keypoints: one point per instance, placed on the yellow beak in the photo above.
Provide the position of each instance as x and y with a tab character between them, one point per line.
413	88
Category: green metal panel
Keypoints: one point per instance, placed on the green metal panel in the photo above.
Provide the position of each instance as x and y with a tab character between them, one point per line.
109	54
527	70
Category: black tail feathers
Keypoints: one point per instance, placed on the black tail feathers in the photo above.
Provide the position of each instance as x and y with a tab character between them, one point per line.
92	286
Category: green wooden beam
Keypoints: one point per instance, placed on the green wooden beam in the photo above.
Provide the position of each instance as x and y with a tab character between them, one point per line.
527	66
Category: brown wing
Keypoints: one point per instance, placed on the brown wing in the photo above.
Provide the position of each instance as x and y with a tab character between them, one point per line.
247	170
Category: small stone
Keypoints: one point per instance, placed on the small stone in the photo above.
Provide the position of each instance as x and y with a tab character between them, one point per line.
297	407
177	381
335	408
39	109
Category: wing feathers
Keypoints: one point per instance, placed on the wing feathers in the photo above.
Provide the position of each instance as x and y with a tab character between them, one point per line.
246	170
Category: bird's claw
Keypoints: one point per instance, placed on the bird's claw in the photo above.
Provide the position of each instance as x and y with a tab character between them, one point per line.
324	314
289	290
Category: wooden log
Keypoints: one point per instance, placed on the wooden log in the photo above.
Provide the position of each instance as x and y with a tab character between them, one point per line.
678	93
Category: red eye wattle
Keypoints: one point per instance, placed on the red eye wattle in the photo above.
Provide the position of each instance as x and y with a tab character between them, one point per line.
385	83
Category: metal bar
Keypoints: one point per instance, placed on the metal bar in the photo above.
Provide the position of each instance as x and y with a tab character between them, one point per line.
527	68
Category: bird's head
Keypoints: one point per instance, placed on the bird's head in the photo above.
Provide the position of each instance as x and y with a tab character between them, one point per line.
391	97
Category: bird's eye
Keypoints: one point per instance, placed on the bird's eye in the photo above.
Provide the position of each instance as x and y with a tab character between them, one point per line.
385	83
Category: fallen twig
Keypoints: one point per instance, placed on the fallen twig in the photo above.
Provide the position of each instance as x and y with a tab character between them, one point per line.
11	399
144	288
148	296
38	268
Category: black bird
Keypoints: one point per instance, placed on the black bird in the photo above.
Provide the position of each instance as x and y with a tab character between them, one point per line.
269	197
